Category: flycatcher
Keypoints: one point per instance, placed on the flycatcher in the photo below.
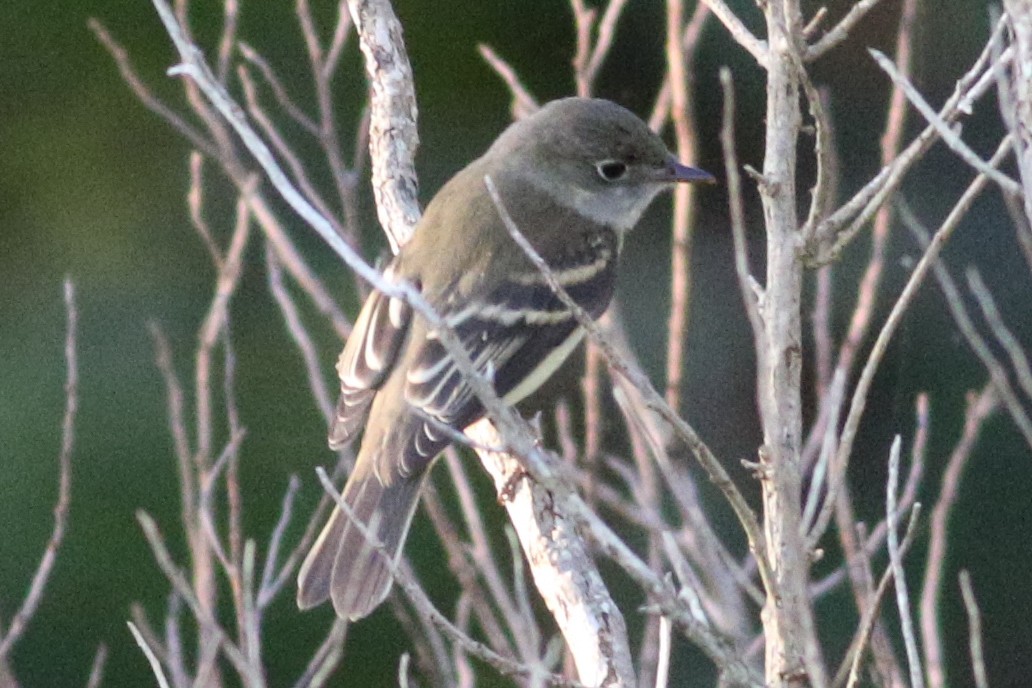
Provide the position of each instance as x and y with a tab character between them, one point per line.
575	177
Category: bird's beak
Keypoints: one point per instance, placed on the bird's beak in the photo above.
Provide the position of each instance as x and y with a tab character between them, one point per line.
675	172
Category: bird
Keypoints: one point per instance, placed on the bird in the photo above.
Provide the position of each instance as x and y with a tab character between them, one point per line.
575	176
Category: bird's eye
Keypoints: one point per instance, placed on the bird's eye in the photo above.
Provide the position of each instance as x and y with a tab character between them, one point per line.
611	170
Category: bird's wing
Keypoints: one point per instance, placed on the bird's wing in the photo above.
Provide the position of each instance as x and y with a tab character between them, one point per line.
512	335
366	361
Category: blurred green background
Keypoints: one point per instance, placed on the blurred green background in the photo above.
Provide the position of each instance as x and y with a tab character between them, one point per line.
92	186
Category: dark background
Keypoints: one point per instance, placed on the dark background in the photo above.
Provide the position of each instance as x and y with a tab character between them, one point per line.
92	186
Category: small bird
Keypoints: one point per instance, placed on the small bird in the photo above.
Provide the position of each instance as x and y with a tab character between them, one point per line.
575	176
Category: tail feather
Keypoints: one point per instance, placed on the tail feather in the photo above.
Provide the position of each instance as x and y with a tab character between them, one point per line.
344	565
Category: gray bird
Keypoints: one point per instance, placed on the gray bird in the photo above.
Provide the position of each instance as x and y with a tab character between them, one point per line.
575	176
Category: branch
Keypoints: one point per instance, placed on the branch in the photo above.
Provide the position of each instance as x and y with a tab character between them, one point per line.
974	631
745	38
792	651
680	71
840	32
563	569
155	664
896	562
978	410
834	233
523	103
997	373
931	254
393	138
949	137
40	579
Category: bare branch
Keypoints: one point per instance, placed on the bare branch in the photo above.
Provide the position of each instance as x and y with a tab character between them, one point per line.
1008	185
978	410
284	150
298	332
523	103
920	271
590	54
564	572
850	669
326	658
680	59
279	91
41	577
840	32
745	38
865	203
203	615
97	668
121	57
227	39
750	290
194	67
869	286
159	674
270	586
997	373
393	138
896	562
1006	339
974	631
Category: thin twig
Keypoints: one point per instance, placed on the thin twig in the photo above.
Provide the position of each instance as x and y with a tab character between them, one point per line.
41	577
840	32
143	93
195	202
681	73
663	668
928	259
267	589
949	137
749	289
745	38
300	335
849	671
326	658
97	668
523	103
1015	350
155	665
604	38
227	38
978	410
858	211
974	631
283	148
279	91
870	283
981	348
206	621
896	561
323	66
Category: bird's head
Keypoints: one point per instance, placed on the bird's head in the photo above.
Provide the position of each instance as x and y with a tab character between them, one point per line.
595	156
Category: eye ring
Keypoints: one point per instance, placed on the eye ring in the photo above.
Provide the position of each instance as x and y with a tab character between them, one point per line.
611	170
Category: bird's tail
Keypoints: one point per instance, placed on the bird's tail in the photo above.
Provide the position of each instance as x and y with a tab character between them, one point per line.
343	564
